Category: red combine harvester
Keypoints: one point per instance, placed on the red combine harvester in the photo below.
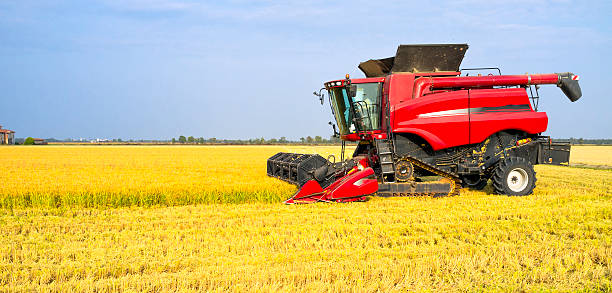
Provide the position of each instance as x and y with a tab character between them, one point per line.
417	117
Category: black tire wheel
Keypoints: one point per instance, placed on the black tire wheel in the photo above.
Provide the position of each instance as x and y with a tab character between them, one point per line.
514	176
474	182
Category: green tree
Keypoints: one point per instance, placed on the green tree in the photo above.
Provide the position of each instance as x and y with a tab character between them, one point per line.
191	139
282	139
173	140
201	140
28	141
318	139
309	139
182	139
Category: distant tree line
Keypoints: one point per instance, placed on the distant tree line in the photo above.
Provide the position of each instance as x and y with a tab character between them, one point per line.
332	140
257	141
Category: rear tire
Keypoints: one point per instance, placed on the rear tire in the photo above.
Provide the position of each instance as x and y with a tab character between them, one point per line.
514	176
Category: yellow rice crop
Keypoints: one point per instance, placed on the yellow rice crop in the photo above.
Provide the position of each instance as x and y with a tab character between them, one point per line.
91	176
591	155
559	238
139	175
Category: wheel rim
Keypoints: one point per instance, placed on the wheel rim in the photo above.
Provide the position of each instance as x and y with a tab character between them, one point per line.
517	179
403	170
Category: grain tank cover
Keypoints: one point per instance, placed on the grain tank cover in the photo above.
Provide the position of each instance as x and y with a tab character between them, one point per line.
417	58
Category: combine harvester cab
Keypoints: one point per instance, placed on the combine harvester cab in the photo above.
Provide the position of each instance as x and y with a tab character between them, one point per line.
418	116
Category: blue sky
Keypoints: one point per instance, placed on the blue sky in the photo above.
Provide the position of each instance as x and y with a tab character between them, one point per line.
156	69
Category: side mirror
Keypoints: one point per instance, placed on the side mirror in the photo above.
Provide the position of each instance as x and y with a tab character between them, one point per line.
320	95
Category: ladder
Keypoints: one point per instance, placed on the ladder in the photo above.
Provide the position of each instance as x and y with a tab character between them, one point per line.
385	155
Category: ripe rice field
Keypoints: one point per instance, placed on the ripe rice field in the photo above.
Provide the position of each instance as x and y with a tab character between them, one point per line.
207	218
592	155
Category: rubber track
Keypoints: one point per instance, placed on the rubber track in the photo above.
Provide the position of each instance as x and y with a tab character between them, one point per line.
453	178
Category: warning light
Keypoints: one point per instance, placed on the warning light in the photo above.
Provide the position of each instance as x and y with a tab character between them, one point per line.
347	76
523	141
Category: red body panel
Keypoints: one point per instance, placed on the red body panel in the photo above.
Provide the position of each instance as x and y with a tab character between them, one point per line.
431	118
354	186
517	113
400	88
454	111
368	80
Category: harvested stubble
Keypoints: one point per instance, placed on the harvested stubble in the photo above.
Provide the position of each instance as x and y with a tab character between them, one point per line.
558	238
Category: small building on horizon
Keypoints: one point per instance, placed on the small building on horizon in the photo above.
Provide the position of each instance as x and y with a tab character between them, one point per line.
7	136
39	141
